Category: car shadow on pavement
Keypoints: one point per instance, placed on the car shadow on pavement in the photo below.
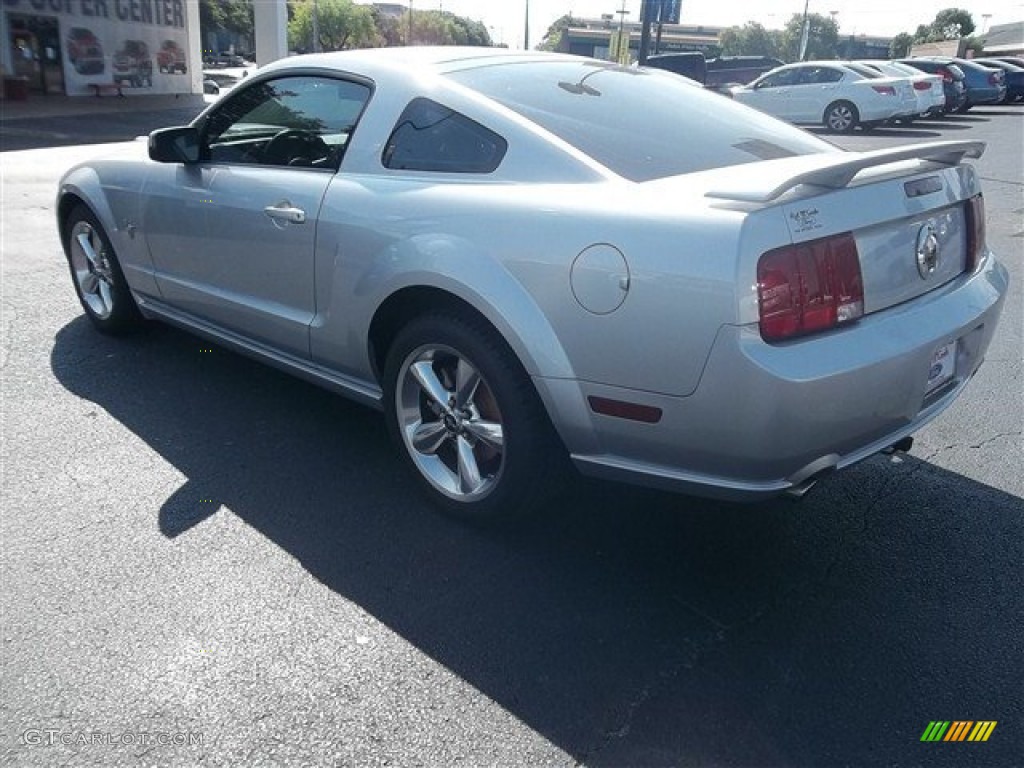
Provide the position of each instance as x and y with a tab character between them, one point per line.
917	132
626	626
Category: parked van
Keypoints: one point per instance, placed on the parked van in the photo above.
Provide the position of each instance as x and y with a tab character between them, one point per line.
689	64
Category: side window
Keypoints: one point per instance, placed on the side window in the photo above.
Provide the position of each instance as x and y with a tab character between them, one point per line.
290	121
431	137
779	79
821	75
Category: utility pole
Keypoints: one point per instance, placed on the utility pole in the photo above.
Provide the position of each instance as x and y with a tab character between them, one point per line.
316	27
805	34
526	30
648	10
409	41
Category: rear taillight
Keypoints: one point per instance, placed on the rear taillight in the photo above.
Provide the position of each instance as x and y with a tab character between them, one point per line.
809	287
975	231
885	90
947	76
922	85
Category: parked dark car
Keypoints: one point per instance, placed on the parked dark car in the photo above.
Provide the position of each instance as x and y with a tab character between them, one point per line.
954	81
1017	61
689	64
1013	74
984	84
738	70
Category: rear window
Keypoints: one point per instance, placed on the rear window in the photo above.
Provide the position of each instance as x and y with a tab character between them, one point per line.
640	123
866	71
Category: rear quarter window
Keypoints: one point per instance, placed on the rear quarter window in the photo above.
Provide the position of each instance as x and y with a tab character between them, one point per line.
431	137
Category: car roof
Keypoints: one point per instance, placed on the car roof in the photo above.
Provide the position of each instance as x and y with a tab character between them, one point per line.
438	59
821	63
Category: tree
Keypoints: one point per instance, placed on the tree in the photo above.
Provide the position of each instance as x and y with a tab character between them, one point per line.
953	23
976	44
556	33
445	28
751	39
822	41
231	16
341	23
390	29
900	45
949	24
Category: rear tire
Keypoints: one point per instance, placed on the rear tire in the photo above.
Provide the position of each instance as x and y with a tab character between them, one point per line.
468	420
96	274
840	117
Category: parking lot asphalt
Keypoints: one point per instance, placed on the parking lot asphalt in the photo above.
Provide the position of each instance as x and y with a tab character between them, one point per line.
206	562
54	121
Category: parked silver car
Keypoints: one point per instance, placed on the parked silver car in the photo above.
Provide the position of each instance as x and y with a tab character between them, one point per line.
521	257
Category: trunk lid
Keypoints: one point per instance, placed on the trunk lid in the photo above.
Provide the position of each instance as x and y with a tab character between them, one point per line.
906	208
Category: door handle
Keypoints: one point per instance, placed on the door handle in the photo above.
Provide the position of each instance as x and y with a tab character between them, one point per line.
285	211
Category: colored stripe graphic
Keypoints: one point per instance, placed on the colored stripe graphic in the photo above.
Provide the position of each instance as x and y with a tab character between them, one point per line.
982	730
935	730
959	730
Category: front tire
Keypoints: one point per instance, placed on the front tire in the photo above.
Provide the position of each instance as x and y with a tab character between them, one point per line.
96	273
840	117
468	419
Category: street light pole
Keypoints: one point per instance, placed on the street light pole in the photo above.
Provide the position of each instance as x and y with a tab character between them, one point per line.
316	27
526	31
647	12
805	33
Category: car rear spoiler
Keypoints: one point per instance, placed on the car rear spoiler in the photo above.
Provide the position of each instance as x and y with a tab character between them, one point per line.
835	170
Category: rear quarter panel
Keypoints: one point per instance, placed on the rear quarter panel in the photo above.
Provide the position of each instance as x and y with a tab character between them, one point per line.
509	251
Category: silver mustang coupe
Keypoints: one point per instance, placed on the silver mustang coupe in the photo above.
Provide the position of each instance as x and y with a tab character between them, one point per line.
523	257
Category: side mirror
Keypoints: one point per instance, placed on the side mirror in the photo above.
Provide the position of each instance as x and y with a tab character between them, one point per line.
174	145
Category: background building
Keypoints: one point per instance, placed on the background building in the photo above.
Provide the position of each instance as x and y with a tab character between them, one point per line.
1005	40
594	37
67	46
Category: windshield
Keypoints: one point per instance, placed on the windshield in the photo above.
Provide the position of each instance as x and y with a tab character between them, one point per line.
641	123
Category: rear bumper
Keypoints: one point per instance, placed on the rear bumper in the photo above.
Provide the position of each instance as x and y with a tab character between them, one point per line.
874	111
977	96
765	417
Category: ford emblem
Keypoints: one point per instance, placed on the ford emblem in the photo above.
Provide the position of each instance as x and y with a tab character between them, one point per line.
927	251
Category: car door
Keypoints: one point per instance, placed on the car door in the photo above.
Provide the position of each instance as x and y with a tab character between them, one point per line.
233	236
817	88
773	93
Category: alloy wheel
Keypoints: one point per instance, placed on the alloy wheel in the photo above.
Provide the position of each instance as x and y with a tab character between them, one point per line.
90	263
450	422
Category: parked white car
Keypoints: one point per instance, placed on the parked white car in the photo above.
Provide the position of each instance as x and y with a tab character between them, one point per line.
931	99
828	92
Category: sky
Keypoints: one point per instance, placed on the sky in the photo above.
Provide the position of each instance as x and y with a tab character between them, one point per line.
505	18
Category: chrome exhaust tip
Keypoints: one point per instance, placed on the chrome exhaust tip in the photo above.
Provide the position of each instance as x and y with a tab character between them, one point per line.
900	446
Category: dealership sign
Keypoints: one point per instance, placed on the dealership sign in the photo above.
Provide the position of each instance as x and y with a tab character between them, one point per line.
135	44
